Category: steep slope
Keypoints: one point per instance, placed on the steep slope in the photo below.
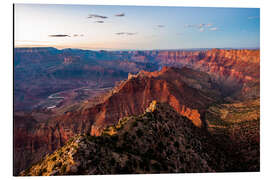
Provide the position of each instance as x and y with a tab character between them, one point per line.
236	70
158	141
189	92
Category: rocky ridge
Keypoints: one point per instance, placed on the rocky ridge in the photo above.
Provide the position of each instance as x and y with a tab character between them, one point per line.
158	141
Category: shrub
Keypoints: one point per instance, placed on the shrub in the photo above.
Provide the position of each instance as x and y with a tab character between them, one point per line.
40	173
126	136
135	164
133	137
156	166
44	170
139	133
54	158
60	153
164	166
149	153
54	166
59	164
166	133
127	169
112	162
176	144
63	168
114	139
160	146
141	164
135	124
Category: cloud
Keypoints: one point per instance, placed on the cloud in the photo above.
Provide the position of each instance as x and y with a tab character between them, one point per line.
190	25
125	33
59	35
97	16
205	25
214	29
179	33
99	22
253	17
201	29
120	33
120	15
77	35
128	33
66	35
160	26
199	26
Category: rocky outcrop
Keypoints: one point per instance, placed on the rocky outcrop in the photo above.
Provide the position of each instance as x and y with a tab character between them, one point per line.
170	85
158	141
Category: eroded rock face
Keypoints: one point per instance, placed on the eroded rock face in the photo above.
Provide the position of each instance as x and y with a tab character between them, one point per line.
188	92
233	73
169	85
231	68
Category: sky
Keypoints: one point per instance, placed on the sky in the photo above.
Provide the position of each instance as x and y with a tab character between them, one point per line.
135	27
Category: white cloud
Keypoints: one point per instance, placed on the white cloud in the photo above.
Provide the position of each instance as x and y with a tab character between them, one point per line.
160	26
126	33
213	29
201	29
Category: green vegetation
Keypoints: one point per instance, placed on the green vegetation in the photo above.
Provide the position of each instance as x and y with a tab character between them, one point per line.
54	158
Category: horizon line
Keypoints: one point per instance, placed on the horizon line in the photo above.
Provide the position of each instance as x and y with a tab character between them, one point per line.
110	49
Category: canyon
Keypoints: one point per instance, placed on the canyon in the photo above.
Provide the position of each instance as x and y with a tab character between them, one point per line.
191	82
